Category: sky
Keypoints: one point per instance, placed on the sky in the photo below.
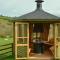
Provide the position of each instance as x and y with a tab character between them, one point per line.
20	7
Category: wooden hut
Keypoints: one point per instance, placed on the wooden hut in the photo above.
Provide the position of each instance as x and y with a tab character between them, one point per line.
37	35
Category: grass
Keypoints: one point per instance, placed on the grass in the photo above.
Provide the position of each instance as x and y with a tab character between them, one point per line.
3	33
3	41
10	58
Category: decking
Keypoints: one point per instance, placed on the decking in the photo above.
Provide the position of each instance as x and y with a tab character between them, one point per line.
47	55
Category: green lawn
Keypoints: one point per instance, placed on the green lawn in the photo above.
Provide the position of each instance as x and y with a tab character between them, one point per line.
4	41
9	58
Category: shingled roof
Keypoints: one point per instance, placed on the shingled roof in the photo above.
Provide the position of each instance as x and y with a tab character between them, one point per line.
39	13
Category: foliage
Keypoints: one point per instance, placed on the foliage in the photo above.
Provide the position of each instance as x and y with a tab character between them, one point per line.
5	26
3	41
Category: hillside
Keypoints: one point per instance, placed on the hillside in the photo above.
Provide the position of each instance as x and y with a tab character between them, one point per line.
5	26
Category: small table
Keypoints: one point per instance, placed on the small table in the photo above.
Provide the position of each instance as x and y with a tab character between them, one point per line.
40	47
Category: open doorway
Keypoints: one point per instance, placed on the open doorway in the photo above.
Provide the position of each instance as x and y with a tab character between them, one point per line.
41	41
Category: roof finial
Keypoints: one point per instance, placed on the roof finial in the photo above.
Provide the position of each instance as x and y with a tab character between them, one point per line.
39	4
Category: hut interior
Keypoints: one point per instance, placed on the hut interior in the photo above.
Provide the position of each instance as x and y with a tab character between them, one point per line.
41	38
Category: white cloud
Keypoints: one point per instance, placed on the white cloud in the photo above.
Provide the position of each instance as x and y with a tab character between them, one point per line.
52	6
20	7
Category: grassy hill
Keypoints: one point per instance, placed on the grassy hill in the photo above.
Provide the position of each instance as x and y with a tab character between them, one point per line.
5	37
5	26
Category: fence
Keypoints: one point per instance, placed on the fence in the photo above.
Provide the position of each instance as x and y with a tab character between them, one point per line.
6	50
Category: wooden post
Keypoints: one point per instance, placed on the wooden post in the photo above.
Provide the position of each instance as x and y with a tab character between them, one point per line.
12	50
13	45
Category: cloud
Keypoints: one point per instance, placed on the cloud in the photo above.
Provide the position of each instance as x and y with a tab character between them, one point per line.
6	6
20	7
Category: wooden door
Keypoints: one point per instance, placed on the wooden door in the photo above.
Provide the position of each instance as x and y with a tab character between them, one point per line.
57	40
21	40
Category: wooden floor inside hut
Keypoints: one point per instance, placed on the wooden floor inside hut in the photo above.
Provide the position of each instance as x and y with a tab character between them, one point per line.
47	55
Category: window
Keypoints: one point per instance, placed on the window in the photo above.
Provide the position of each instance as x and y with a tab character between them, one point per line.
22	40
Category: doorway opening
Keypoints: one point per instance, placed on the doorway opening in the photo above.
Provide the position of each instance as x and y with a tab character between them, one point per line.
41	39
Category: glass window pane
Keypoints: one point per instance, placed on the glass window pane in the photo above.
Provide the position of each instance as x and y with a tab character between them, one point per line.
19	30
38	35
22	41
25	30
58	28
34	35
22	30
21	51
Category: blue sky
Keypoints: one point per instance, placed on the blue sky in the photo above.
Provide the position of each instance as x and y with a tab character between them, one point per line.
20	7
